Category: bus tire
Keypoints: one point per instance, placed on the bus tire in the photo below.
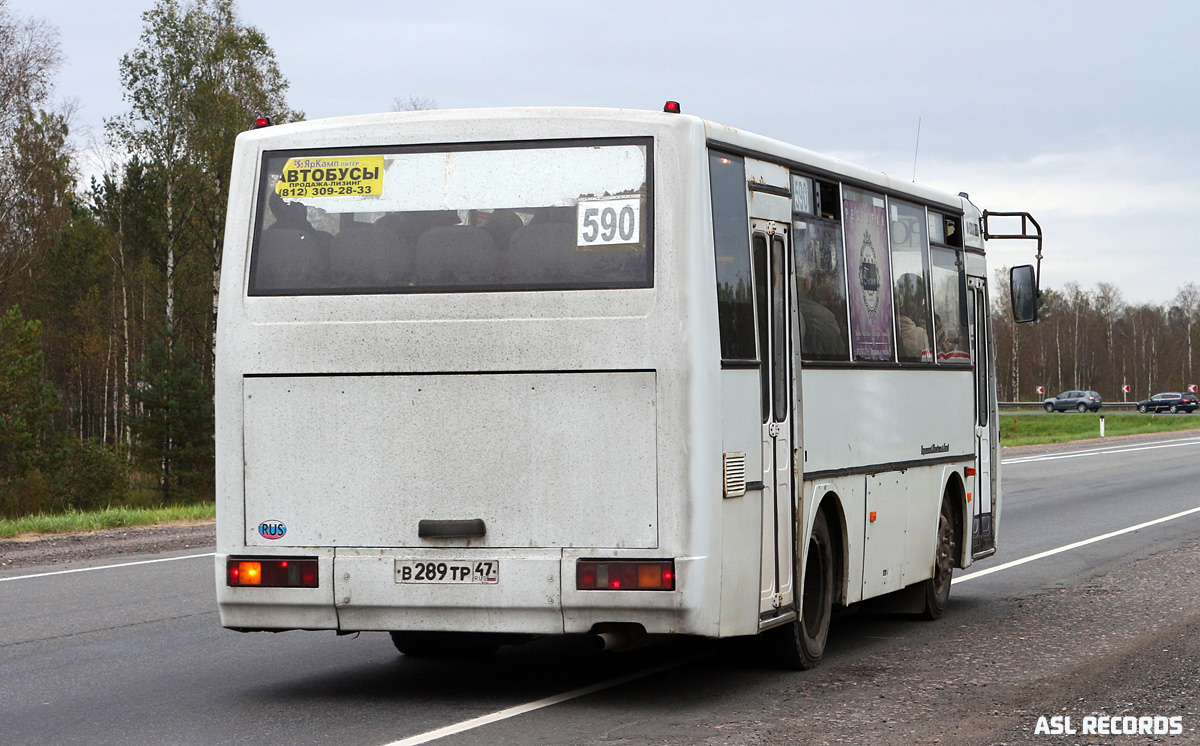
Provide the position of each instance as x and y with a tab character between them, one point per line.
801	643
937	588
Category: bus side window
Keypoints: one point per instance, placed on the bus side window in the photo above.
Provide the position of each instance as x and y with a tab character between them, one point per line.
910	270
820	270
731	241
952	337
821	290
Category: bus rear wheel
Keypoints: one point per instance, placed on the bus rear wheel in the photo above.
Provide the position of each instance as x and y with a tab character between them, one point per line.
937	588
801	643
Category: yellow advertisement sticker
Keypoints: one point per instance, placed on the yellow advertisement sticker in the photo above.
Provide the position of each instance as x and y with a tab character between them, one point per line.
338	176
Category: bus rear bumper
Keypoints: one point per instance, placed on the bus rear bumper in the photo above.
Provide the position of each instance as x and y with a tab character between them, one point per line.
534	594
276	608
524	599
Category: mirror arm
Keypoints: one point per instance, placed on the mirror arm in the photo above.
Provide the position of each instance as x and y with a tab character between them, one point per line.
1026	221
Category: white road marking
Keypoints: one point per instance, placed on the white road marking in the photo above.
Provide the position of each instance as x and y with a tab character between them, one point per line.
105	567
1069	547
1104	451
516	710
511	712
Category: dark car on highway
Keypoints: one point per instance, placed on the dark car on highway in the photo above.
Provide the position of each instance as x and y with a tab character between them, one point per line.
1170	402
1080	400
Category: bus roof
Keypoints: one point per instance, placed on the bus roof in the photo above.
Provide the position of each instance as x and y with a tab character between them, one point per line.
722	136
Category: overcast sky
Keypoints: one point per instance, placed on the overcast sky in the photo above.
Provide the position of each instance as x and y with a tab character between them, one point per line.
1082	113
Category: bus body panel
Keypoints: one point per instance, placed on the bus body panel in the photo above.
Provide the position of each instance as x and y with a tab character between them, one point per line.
544	460
741	430
859	417
847	496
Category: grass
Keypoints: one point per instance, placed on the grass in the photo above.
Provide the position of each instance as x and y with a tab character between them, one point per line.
1034	429
1016	429
79	522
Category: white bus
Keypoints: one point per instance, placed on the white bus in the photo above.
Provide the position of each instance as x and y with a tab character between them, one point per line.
486	375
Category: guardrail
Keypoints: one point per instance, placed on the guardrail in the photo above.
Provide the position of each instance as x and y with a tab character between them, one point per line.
1038	405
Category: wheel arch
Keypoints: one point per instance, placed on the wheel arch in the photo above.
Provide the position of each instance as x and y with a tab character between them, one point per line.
956	492
830	504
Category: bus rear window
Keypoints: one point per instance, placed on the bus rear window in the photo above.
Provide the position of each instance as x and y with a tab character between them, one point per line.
500	217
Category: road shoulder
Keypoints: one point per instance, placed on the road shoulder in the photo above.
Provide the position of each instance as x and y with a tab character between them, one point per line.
1093	443
1120	645
39	550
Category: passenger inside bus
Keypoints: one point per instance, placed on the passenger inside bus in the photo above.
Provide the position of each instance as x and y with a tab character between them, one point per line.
819	298
912	319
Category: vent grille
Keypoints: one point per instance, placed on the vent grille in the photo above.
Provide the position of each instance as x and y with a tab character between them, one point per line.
735	474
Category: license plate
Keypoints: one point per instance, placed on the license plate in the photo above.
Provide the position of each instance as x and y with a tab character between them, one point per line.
448	571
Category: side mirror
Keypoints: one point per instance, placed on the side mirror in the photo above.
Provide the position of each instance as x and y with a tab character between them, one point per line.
1024	292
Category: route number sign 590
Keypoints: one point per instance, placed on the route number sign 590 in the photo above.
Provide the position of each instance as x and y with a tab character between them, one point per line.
609	222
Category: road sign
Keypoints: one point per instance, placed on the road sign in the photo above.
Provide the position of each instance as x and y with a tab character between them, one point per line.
1126	389
1041	390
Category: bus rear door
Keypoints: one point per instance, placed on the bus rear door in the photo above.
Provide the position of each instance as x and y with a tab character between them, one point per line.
770	210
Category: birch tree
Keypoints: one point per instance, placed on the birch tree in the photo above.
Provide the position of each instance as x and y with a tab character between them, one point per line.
29	58
197	78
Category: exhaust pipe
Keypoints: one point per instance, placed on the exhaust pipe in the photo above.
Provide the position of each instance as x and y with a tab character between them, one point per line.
616	638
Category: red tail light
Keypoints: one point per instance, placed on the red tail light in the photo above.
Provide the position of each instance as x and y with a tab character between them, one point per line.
625	575
271	573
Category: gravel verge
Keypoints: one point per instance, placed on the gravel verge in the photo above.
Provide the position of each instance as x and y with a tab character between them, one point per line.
39	550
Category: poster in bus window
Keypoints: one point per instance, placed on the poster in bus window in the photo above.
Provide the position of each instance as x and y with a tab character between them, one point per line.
868	277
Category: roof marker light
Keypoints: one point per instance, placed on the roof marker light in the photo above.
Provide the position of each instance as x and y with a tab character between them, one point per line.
672	107
262	122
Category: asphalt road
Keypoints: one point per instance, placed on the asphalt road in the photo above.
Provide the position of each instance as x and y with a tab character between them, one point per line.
135	654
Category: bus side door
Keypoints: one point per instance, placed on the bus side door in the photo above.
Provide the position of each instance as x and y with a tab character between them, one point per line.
983	523
770	252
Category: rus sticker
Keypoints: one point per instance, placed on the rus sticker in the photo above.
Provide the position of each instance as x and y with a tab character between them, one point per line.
272	529
355	176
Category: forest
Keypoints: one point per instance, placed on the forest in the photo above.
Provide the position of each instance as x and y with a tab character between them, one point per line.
1093	339
108	288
